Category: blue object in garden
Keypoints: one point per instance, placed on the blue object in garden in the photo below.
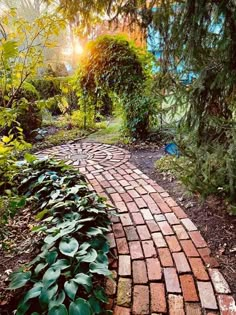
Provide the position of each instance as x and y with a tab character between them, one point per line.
172	149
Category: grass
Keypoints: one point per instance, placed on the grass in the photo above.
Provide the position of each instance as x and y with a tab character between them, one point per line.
109	134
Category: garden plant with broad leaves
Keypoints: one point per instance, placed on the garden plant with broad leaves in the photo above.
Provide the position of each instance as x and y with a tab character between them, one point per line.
67	275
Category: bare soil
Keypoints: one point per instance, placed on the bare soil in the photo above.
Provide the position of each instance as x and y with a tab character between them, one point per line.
216	225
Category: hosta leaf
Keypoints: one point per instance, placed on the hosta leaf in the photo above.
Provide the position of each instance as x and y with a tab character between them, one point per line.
57	300
39	268
58	310
51	257
99	268
89	257
19	279
50	276
80	307
94	231
95	305
61	264
68	246
47	294
99	293
71	288
41	178
84	280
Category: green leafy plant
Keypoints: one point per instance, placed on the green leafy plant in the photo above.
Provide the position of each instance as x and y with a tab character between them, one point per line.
66	277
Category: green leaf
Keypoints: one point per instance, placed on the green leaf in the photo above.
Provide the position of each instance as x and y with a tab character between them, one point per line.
68	246
29	157
95	305
41	178
40	215
99	268
57	300
71	289
47	294
84	280
50	276
99	293
61	264
51	257
19	279
94	231
39	268
54	194
89	257
58	310
80	307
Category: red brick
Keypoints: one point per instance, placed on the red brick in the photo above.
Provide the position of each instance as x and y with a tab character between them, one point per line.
149	189
146	214
219	282
104	183
143	232
140	203
139	272
176	304
164	207
197	239
133	194
165	228
210	261
193	309
148	199
189	248
171	218
165	257
154	269
118	230
157	198
164	194
188	288
125	219
137	218
159	240
116	197
120	190
154	208
126	197
121	311
188	224
132	207
198	269
149	249
153	227
173	244
207	296
181	262
124	182
180	232
158	299
122	246
170	202
171	280
140	300
227	305
121	206
110	190
140	190
179	212
131	233
135	250
124	265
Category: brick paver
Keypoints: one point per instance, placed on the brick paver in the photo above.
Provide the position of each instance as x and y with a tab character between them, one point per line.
161	263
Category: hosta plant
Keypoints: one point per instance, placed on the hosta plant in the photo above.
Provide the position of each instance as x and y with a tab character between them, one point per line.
66	277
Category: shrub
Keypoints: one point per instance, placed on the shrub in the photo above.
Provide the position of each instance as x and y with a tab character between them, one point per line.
113	65
66	277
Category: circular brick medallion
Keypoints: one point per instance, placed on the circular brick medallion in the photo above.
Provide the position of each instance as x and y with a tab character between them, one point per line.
96	157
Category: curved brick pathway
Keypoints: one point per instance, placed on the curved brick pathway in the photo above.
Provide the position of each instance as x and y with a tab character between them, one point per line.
161	263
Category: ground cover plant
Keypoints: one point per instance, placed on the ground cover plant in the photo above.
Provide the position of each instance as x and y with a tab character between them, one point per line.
66	276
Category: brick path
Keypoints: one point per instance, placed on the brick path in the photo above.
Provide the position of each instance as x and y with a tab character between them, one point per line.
161	263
